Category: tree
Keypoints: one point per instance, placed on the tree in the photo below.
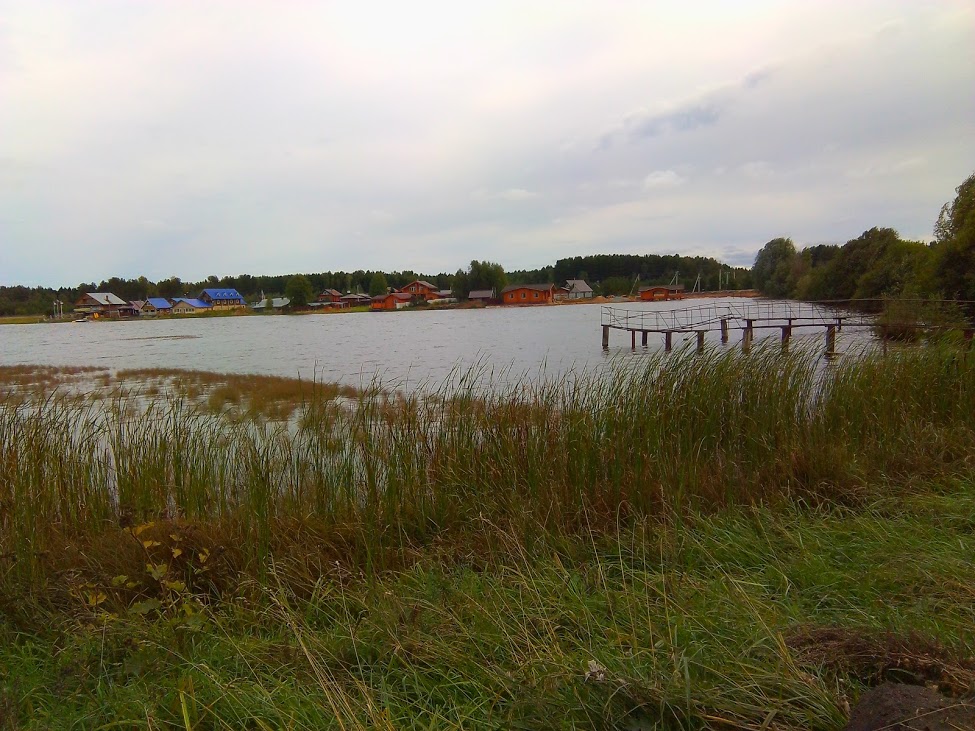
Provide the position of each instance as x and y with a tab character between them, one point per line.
460	287
486	275
954	248
378	285
774	269
299	291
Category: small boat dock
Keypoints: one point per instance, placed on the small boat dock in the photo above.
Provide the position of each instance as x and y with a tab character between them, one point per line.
747	317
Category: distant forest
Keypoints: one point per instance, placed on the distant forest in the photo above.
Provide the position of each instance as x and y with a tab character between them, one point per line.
879	263
606	273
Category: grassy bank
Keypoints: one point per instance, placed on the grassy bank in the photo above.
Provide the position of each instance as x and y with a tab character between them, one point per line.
707	540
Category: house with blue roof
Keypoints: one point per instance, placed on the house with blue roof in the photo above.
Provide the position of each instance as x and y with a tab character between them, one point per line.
190	306
155	306
222	299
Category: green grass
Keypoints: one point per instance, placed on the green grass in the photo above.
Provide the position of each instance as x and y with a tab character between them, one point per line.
707	536
684	625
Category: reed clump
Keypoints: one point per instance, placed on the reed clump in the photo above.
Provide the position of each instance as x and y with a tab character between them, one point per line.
373	480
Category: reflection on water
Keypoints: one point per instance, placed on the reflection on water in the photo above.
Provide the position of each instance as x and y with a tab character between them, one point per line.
403	349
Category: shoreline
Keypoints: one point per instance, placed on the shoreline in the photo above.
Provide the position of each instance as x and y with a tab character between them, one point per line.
600	300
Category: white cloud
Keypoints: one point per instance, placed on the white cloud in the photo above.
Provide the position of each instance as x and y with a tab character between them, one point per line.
510	194
663	179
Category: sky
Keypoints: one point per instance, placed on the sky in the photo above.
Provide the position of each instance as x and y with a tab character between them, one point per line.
226	137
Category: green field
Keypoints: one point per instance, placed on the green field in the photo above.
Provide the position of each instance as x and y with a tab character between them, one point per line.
711	541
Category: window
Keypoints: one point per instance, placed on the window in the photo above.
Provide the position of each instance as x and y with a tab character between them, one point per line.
524	294
535	295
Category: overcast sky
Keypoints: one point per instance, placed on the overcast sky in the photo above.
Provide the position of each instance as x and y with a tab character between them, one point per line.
194	138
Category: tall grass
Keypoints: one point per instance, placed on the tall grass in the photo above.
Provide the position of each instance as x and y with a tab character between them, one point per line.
368	484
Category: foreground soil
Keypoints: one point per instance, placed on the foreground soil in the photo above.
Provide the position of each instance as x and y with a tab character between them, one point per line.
899	707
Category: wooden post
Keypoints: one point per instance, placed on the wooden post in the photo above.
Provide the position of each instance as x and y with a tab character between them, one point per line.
632	339
786	336
643	338
605	337
724	330
747	335
839	324
700	341
668	340
831	340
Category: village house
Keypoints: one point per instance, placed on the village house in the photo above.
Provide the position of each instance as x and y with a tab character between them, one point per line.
481	295
391	301
155	306
422	290
189	306
330	296
272	303
103	304
222	299
662	292
353	299
578	289
528	294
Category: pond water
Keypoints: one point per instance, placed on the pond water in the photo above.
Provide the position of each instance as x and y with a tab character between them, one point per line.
406	349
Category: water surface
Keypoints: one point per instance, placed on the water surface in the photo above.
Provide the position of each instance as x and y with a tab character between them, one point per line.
405	349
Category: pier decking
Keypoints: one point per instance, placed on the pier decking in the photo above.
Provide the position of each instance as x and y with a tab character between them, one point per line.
751	316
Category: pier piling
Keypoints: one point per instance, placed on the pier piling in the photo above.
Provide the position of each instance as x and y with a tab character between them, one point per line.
605	337
831	340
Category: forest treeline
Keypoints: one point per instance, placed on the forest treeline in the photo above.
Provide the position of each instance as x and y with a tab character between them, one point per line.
606	273
879	263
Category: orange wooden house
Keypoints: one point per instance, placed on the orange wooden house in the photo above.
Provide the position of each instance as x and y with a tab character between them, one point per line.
528	294
391	301
662	292
422	289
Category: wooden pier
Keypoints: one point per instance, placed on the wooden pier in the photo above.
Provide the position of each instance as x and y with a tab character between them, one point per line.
749	317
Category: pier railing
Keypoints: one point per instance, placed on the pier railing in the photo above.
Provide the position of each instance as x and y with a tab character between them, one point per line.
888	315
736	315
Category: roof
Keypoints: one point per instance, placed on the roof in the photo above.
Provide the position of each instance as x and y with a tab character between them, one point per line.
539	287
160	303
423	283
106	298
222	294
192	302
355	296
274	303
137	304
404	296
668	287
330	293
445	292
481	294
578	285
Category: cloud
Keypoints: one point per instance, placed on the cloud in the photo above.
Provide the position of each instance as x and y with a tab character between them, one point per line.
510	194
663	179
703	110
757	170
881	169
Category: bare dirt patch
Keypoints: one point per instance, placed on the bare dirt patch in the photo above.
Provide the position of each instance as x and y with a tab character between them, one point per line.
899	707
873	657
